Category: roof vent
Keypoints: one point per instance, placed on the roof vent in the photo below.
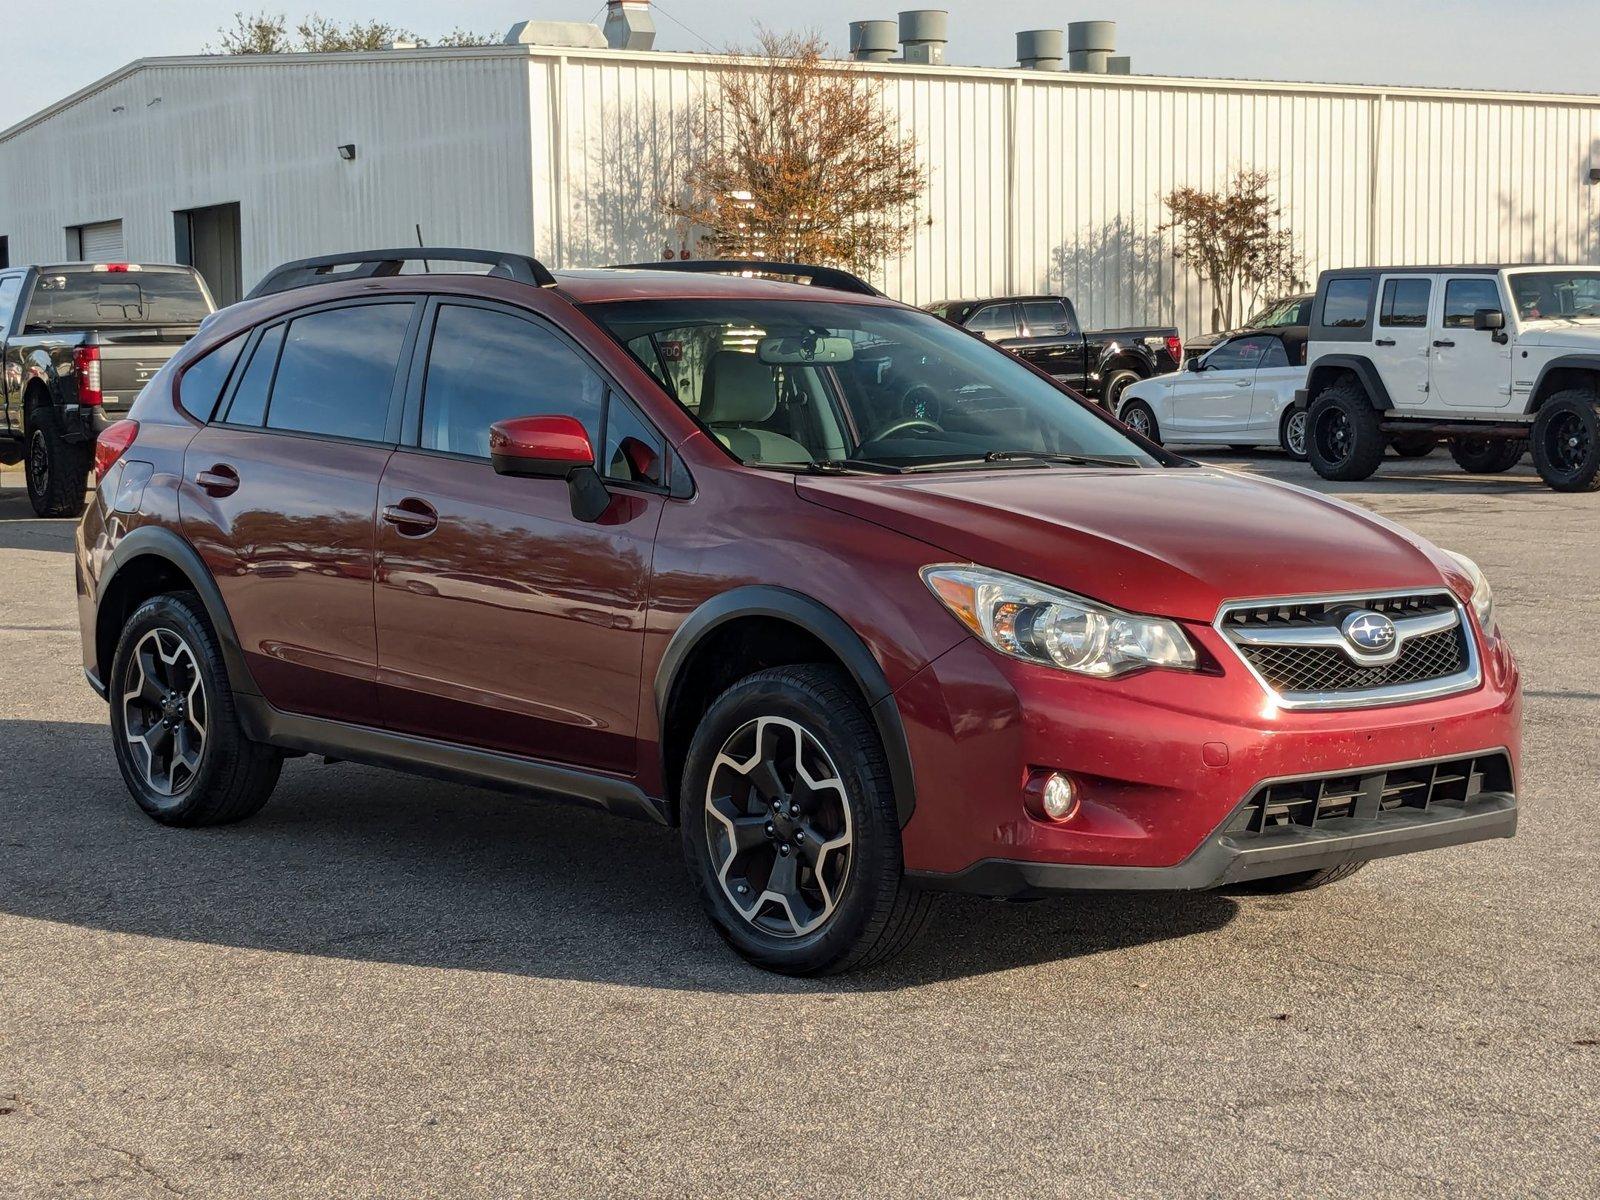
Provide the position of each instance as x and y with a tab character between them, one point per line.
872	41
556	33
924	33
1089	45
1119	65
1041	49
629	25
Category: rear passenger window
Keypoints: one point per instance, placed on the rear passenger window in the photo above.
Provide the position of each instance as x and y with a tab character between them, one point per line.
249	403
336	372
485	366
1405	303
203	380
1464	297
1346	304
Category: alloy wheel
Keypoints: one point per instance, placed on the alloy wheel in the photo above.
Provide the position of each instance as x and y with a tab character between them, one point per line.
1138	420
1567	442
778	827
164	711
1294	434
39	463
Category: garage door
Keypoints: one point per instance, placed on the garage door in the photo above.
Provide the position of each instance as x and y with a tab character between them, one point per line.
101	242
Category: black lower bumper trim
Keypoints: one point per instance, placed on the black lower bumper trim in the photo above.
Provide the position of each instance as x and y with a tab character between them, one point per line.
1230	858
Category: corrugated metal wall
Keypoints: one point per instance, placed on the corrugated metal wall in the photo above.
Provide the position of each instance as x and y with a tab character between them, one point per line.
1035	181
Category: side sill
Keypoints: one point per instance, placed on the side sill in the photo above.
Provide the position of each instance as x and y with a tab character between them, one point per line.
444	760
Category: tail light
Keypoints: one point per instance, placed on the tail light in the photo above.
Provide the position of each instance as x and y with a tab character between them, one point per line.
111	445
1175	348
86	362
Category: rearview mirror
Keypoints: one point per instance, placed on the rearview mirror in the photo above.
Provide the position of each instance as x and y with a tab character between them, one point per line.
1485	319
551	448
808	349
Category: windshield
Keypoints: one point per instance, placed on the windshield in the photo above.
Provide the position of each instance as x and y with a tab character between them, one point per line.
1556	295
97	299
805	382
1279	312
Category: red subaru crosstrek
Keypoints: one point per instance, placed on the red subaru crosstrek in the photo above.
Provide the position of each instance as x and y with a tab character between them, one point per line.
866	606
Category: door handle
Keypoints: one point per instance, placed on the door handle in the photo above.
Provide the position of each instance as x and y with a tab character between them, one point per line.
1442	344
412	517
220	480
1384	342
1242	383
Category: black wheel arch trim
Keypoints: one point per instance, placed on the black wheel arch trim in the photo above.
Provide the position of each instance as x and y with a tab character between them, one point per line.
160	542
1364	371
1567	362
828	627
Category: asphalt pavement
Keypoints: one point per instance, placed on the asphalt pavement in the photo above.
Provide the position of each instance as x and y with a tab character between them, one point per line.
388	986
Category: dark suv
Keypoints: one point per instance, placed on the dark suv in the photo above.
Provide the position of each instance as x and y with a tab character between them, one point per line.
867	606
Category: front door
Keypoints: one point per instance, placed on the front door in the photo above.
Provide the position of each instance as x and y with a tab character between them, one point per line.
1470	368
279	495
1404	341
1214	401
1050	340
504	622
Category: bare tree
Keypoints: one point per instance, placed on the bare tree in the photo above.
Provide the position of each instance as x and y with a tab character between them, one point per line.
268	33
1234	240
256	33
795	159
318	35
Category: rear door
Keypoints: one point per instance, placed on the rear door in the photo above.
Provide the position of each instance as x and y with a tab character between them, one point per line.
1470	369
1403	342
1051	339
1214	402
280	494
504	622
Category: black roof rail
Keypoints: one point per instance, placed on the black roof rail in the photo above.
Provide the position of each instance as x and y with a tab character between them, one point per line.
369	264
826	277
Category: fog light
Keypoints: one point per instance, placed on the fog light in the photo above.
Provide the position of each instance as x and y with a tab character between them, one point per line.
1060	798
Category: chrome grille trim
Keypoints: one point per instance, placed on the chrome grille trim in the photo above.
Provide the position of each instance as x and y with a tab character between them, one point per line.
1300	621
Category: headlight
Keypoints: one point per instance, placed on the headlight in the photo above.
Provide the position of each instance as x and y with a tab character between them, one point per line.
1482	596
1038	624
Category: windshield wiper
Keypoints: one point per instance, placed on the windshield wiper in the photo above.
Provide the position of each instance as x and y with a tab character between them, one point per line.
1071	460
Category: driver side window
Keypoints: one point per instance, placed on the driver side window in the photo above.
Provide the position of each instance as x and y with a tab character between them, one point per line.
1240	354
995	322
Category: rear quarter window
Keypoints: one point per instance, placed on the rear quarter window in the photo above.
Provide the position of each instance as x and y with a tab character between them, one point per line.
1348	303
204	379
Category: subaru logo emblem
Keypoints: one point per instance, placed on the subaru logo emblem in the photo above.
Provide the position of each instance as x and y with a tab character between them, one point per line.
1368	631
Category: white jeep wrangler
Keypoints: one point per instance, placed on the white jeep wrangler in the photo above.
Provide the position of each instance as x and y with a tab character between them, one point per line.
1490	359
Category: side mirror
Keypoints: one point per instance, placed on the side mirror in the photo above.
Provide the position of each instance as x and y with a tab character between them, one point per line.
1486	319
1192	364
551	448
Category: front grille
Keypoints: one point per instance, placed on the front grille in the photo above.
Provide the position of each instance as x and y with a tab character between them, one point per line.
1330	669
1332	801
1300	653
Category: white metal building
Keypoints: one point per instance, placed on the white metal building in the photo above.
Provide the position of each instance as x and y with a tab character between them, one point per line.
1037	180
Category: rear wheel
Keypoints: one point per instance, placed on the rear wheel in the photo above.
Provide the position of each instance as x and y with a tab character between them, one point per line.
1292	434
1414	445
57	470
1139	417
1302	881
1343	438
177	737
1566	442
1487	456
790	829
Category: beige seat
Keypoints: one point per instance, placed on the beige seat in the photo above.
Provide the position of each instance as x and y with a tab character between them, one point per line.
739	393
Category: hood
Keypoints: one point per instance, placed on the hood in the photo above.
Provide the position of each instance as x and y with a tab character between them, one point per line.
1175	542
1583	334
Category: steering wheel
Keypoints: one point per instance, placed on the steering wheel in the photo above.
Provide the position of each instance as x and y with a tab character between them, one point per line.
908	423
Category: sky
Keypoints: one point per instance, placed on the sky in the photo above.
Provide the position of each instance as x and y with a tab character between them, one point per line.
1534	45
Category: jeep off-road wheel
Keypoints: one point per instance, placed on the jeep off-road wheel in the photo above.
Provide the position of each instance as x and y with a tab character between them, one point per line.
1487	456
1343	438
1302	881
1414	445
1292	434
1116	383
178	741
57	470
1138	416
1566	442
789	826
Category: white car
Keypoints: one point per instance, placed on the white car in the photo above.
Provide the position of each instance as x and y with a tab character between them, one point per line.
1240	393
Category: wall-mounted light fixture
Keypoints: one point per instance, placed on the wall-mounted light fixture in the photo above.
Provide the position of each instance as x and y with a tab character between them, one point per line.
1594	174
348	152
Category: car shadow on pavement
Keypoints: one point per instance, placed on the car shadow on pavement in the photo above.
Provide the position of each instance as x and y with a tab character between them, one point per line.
359	863
21	530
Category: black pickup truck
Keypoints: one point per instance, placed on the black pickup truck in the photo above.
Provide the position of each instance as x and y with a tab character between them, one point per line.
1045	331
77	342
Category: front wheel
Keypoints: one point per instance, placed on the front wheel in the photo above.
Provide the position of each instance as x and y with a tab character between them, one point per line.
1487	456
1139	417
1292	434
1344	440
790	830
1566	442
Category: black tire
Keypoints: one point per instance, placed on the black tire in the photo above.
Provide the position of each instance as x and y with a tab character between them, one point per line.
876	913
1302	881
1414	445
1566	442
57	470
231	776
1117	382
1487	456
1139	417
1292	433
1343	438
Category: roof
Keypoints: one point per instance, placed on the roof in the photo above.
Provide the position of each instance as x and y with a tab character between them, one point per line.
1456	269
602	286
